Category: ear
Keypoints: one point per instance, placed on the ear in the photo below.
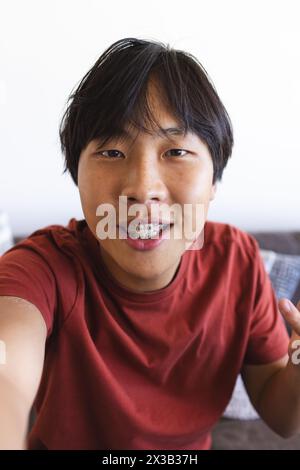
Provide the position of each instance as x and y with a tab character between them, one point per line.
213	192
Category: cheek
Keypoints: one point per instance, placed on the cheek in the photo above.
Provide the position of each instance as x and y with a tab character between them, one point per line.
87	179
85	190
89	191
95	189
194	185
194	190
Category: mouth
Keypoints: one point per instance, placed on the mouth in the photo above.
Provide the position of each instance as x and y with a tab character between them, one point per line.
138	230
146	237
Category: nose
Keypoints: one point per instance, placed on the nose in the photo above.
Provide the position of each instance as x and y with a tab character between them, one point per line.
144	183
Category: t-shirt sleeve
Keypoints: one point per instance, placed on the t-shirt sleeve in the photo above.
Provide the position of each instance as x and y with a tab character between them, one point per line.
25	273
268	337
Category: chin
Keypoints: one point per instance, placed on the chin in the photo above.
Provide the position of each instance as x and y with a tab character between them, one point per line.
144	272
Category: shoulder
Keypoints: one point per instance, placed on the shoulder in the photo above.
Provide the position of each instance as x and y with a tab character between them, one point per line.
52	238
52	248
228	242
44	269
224	234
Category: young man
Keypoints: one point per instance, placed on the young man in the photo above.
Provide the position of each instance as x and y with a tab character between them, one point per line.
136	342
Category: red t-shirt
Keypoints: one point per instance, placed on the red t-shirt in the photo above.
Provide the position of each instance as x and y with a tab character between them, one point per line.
153	370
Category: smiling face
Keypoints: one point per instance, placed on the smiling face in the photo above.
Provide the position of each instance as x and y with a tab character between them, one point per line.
149	169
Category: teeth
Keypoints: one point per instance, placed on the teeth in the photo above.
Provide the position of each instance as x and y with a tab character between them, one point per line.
145	231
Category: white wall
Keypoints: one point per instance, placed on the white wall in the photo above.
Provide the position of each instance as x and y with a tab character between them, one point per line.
251	49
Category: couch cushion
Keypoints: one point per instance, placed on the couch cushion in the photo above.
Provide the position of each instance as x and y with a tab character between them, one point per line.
281	242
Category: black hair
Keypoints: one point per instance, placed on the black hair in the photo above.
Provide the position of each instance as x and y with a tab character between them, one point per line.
113	94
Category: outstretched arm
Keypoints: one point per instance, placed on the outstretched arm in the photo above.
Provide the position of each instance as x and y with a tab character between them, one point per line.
23	335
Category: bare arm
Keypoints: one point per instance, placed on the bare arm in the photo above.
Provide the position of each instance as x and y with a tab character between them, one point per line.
274	389
274	395
279	402
23	334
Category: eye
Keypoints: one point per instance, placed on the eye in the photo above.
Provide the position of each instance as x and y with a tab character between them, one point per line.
178	150
110	153
113	154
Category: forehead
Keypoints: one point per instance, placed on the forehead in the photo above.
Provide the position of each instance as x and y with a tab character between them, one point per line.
167	131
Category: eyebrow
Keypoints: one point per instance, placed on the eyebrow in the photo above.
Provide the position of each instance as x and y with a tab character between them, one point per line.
168	130
174	131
